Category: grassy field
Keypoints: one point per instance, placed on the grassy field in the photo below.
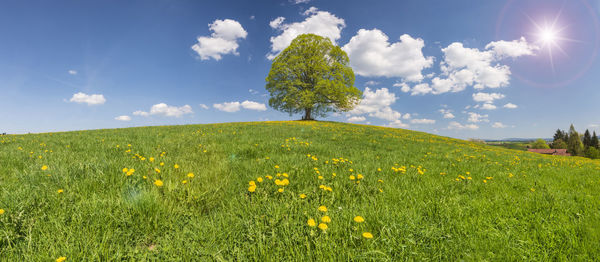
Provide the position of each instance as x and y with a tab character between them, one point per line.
184	193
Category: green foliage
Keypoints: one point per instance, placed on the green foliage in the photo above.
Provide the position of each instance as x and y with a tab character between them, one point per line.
312	76
423	197
540	144
587	138
559	144
592	152
595	142
574	144
561	135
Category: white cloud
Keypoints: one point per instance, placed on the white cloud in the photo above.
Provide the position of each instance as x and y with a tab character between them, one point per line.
422	121
510	106
94	99
499	125
252	91
318	22
203	106
488	106
300	1
228	106
371	83
458	126
476	118
72	72
222	41
512	49
236	106
487	97
251	105
140	113
371	54
252	17
421	89
166	110
406	116
123	118
397	124
356	119
446	113
377	104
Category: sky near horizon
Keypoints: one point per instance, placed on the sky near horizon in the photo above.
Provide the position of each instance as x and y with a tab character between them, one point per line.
464	69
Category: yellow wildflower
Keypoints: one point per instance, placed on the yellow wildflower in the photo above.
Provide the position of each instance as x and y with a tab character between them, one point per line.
251	189
60	191
125	170
158	183
176	166
280	190
184	182
359	219
367	235
1	211
326	219
323	226
302	196
323	208
162	163
311	222
61	259
352	177
260	179
156	170
44	167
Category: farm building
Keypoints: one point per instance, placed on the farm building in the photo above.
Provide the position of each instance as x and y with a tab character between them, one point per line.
555	152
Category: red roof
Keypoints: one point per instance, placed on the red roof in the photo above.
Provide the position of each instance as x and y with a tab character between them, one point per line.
556	152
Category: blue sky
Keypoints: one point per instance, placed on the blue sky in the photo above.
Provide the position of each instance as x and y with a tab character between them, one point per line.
484	69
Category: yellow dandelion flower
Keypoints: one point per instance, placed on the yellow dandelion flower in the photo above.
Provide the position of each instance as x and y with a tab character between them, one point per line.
323	208
190	175
44	167
352	177
151	159
251	189
359	176
269	177
144	177
61	259
510	175
158	183
320	177
162	163
323	226
60	191
532	189
302	196
367	235
1	211
176	166
359	219
469	178
125	170
311	222
326	219
280	190
378	169
276	166
184	182
260	179
252	183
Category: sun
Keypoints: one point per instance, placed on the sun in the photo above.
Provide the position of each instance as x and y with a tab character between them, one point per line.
548	36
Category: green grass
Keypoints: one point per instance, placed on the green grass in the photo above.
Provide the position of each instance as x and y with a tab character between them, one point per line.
530	207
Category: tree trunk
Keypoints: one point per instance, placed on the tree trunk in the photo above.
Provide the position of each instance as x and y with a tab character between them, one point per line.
307	115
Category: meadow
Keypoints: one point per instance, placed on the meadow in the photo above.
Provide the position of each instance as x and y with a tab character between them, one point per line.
288	191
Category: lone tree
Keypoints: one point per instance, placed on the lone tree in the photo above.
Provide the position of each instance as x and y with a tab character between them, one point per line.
312	76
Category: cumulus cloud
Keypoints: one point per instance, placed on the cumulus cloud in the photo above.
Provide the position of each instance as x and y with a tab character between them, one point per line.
371	83
377	104
72	72
166	110
123	118
487	97
446	113
371	54
300	1
356	119
318	22
203	106
499	125
397	124
82	98
458	126
476	118
514	49
236	106
510	106
222	41
422	121
488	106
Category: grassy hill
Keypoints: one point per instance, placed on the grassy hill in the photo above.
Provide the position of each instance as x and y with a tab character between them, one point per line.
183	192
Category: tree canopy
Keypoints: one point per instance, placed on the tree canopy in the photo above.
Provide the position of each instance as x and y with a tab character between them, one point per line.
540	144
312	76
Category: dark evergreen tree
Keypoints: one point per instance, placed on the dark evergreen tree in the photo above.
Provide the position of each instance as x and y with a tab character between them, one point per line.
558	135
595	142
587	139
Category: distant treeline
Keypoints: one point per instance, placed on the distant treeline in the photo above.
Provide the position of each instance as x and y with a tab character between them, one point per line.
585	145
